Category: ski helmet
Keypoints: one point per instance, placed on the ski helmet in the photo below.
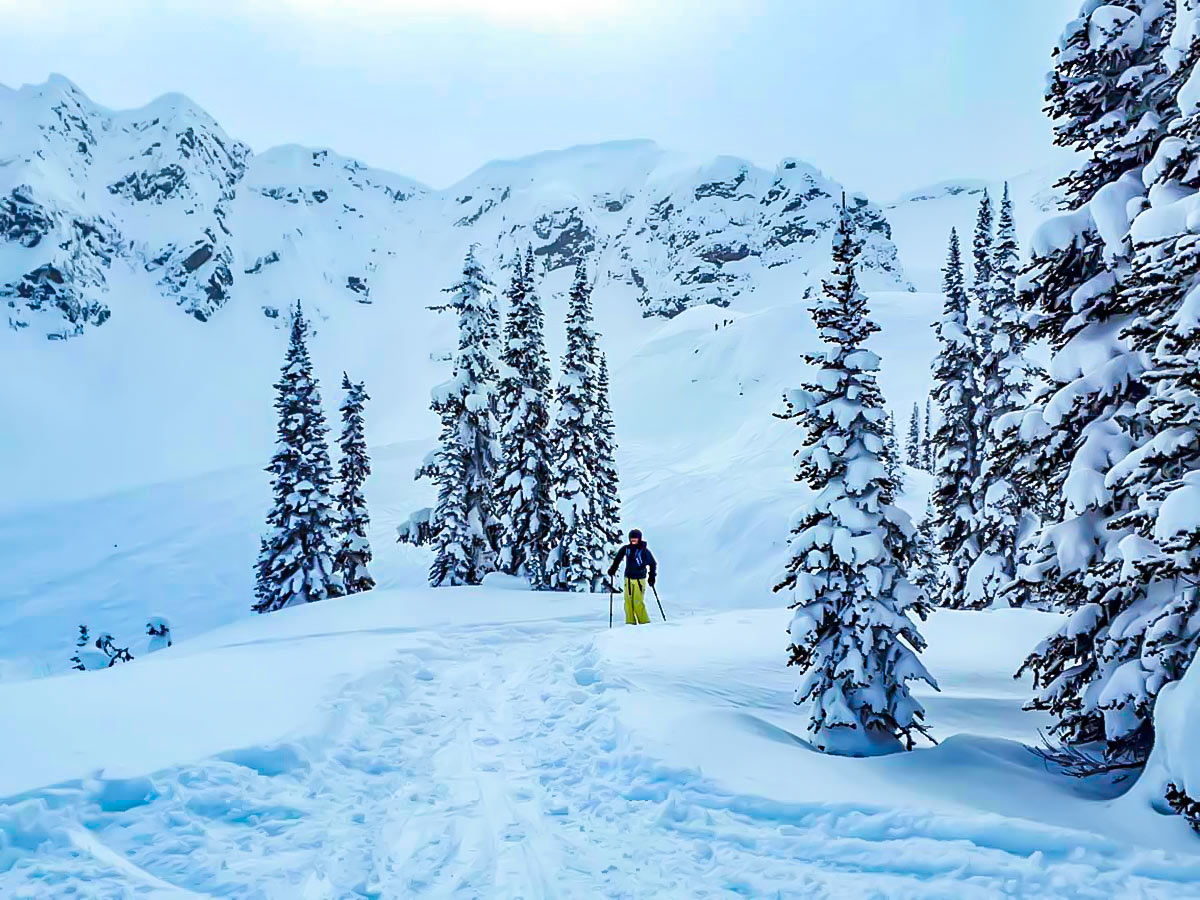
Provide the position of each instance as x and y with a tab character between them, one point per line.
635	534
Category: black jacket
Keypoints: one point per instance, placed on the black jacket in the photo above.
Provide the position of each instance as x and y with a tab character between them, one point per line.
638	560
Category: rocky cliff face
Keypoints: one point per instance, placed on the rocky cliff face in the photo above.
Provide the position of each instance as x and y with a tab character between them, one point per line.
161	201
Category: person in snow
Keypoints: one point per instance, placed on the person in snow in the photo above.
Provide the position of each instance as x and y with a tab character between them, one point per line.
639	563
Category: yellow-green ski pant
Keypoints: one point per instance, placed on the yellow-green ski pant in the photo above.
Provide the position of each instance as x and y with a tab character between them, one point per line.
635	606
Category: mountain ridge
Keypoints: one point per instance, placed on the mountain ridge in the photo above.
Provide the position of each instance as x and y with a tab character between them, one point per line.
164	191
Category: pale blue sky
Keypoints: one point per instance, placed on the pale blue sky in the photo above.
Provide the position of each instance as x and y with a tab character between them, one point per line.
884	95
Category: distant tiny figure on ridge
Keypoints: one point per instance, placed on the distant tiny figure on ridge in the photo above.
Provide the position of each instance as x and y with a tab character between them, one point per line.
639	562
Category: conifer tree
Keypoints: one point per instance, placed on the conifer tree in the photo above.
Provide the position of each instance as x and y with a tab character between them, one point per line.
462	523
954	442
981	251
1112	98
608	491
296	561
891	450
913	448
1145	629
926	567
1003	377
525	480
576	561
852	633
354	549
927	442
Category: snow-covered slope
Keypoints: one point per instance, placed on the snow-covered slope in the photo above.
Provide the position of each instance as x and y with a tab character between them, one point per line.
169	255
486	741
492	743
133	477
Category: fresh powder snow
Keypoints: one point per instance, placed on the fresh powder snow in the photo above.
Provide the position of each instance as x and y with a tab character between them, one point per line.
489	740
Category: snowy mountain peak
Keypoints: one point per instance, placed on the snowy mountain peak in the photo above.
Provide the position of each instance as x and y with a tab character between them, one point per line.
163	201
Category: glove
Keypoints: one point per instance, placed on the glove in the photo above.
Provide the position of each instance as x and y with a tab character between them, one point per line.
612	571
653	576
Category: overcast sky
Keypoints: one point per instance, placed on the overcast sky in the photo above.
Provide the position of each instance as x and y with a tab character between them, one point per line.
883	95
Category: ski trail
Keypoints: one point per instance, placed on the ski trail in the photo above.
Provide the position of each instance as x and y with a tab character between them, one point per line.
494	762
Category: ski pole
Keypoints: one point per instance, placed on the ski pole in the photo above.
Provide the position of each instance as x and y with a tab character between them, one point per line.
656	597
611	590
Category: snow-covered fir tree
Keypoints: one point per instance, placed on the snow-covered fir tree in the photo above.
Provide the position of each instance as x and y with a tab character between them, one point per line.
1112	98
927	439
891	450
353	547
1003	379
954	442
577	561
1150	639
852	630
912	447
981	252
462	523
296	561
926	566
525	481
607	502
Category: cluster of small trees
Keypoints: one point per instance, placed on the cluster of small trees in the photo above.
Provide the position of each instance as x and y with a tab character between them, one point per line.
316	542
527	481
102	651
918	444
1079	489
982	377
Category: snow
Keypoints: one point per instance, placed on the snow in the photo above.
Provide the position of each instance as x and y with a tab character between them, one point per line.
504	744
1174	758
1115	29
485	741
1180	510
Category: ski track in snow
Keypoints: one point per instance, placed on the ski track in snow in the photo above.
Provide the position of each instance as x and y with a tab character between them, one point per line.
493	762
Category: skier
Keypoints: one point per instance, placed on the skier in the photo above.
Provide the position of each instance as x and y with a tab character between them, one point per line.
638	562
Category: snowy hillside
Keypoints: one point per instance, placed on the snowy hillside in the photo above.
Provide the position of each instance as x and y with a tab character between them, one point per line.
481	741
135	482
477	746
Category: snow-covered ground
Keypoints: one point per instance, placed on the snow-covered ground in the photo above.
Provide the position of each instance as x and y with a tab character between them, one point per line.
491	742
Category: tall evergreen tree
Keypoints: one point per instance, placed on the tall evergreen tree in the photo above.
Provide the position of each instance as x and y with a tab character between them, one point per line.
1111	96
1147	632
852	633
296	562
577	560
891	457
462	523
927	442
354	549
955	440
525	481
981	252
1003	377
926	567
608	492
913	444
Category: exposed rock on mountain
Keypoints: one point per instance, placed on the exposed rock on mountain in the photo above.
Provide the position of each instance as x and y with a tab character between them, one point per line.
190	215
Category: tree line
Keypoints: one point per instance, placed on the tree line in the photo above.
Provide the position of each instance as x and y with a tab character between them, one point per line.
1077	488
